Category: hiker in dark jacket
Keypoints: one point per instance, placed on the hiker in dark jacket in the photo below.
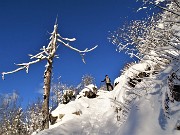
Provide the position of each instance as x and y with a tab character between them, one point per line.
107	80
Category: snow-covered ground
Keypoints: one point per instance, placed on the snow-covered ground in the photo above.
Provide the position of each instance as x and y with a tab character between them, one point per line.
123	111
95	116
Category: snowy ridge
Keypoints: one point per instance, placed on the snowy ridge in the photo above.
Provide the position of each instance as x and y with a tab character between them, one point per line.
123	111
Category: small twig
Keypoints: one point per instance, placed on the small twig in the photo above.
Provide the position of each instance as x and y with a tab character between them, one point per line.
176	13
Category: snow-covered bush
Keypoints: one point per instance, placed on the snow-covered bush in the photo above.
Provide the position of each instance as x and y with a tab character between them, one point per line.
89	91
34	116
68	96
12	117
61	93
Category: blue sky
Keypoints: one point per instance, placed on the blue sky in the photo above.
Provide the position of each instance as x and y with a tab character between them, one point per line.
24	28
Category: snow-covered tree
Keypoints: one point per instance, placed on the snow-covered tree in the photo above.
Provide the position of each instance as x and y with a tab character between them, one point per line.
59	92
12	118
156	43
48	53
34	116
85	81
56	93
157	37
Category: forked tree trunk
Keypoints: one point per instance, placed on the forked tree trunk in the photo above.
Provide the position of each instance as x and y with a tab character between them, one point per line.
47	84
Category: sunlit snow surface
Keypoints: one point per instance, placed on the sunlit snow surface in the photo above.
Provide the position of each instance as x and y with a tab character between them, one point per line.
98	116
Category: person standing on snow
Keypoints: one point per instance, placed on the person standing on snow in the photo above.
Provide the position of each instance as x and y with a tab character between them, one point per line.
107	80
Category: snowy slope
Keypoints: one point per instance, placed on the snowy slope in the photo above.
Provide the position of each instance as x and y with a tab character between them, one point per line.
119	112
146	118
97	116
147	114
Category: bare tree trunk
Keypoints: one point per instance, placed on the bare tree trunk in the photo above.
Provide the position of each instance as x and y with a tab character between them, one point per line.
47	84
48	53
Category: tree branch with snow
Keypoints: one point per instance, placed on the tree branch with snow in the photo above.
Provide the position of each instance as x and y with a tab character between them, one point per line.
48	53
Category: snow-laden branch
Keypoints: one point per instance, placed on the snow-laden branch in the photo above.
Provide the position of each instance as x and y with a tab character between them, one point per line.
48	52
22	67
39	57
75	49
169	10
67	39
82	53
